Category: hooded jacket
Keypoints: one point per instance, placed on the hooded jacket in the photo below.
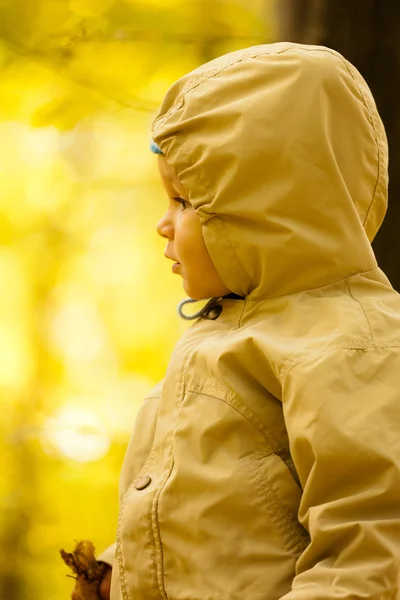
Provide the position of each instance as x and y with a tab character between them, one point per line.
266	464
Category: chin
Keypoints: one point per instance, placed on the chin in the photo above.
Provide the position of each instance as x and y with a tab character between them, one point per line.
199	294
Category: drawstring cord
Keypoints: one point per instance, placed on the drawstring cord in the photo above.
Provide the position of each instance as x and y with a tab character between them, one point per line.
212	302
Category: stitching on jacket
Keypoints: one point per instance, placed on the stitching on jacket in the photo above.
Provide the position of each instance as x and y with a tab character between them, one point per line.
375	135
288	366
215	72
239	262
156	528
160	121
208	76
244	412
320	287
154	506
149	459
294	537
272	440
347	65
120	559
239	323
120	555
362	344
364	312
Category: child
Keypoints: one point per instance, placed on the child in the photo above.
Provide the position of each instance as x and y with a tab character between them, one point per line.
266	464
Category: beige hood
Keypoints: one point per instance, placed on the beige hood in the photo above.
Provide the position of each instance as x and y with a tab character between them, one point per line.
284	157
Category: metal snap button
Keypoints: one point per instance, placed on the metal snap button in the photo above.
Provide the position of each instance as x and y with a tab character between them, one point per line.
214	312
142	482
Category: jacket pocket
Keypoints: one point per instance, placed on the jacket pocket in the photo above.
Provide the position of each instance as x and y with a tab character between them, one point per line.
282	495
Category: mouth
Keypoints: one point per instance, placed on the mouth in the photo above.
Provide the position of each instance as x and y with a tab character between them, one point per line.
175	267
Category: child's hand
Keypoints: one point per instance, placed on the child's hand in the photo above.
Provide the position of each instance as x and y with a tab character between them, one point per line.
105	584
93	578
103	590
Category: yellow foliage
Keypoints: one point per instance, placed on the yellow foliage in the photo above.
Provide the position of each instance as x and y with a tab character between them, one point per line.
88	8
88	305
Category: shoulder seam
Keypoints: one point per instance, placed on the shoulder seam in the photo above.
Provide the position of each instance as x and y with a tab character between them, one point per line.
289	365
364	313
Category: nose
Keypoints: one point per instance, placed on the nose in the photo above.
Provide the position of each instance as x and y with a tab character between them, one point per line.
165	227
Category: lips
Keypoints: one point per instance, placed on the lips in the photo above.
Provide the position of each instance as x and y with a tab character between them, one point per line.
176	265
171	258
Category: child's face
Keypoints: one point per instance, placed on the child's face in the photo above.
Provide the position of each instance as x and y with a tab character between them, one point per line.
181	226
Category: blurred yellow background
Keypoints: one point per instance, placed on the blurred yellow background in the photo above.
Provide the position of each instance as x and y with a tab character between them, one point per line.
88	305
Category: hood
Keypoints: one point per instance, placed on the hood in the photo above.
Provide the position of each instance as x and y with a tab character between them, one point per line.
284	157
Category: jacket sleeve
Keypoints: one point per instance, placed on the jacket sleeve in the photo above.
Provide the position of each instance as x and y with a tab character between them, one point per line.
342	413
107	556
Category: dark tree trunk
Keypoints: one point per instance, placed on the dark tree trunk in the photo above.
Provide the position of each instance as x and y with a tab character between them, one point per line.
367	33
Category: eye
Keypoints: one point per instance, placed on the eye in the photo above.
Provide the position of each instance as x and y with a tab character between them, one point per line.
184	203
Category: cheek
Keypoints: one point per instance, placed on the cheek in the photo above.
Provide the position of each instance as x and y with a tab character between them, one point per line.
189	243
